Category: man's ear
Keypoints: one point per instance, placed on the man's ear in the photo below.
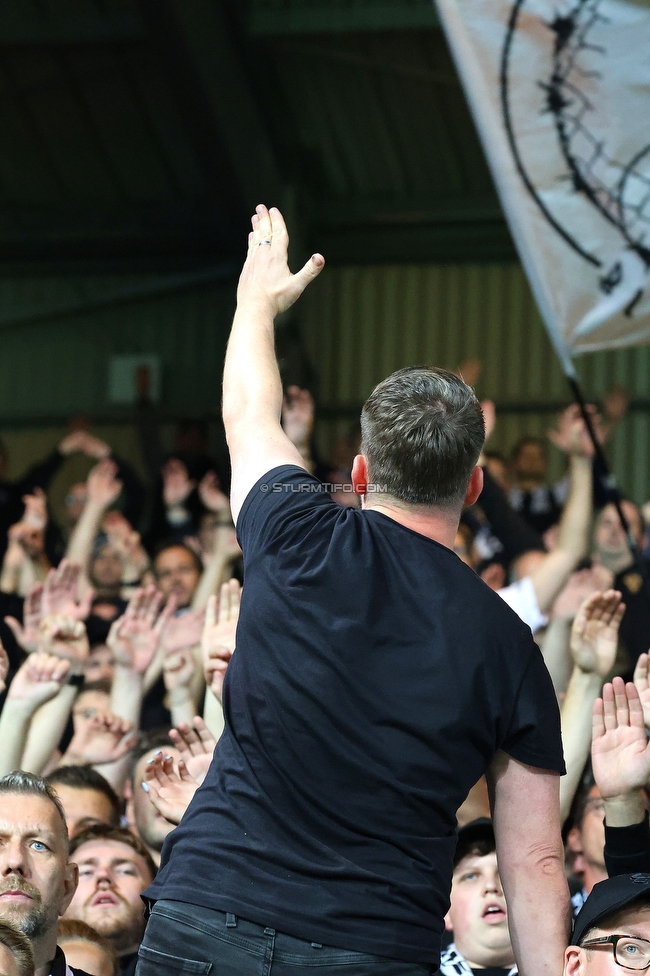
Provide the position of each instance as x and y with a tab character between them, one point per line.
360	475
448	926
70	882
573	961
475	486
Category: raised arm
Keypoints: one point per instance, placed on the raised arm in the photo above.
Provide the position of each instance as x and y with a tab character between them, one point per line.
620	756
525	811
252	390
594	637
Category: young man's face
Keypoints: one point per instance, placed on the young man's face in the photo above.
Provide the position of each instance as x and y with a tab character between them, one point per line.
112	876
600	961
478	916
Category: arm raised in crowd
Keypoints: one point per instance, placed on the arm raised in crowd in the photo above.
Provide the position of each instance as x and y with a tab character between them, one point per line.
556	649
525	812
39	679
65	638
594	637
550	572
620	757
103	490
134	639
252	389
217	647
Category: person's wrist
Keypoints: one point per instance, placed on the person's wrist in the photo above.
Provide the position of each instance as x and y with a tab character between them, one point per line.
179	696
625	809
587	678
19	707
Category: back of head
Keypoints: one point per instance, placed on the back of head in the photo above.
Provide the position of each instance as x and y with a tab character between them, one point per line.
73	930
87	778
20	948
422	431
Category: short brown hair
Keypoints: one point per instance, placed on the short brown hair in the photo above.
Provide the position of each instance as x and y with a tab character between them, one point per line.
19	946
84	777
121	835
74	930
422	431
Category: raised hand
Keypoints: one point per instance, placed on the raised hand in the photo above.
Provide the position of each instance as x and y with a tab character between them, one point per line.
105	738
135	637
27	634
594	634
38	680
266	278
176	483
212	496
35	514
60	593
93	447
196	745
219	634
170	787
179	668
642	685
4	668
620	751
65	637
298	416
183	632
571	434
103	485
581	584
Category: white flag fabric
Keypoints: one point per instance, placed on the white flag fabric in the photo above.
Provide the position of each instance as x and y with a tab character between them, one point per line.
560	93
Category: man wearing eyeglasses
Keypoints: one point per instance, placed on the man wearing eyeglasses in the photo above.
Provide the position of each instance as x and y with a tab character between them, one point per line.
612	930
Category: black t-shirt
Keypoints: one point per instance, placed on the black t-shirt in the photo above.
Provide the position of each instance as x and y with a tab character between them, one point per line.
374	680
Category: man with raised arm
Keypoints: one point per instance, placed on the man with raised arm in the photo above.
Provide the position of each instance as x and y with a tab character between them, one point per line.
375	679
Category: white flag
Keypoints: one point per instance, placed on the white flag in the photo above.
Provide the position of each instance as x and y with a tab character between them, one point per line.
560	93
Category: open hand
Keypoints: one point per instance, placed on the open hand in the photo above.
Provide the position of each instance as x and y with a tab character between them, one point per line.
170	787
60	592
135	637
103	485
642	685
27	634
196	745
212	496
594	635
183	631
176	482
620	752
219	635
266	279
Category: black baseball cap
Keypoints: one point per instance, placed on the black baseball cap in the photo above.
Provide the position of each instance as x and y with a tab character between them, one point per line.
608	897
475	830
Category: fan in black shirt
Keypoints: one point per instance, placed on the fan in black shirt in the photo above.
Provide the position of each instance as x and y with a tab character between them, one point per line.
375	679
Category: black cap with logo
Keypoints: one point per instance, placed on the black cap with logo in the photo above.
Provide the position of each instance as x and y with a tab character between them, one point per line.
608	897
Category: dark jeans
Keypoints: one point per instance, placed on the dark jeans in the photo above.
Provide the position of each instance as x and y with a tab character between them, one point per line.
188	939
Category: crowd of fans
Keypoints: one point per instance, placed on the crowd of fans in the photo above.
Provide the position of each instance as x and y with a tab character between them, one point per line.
119	626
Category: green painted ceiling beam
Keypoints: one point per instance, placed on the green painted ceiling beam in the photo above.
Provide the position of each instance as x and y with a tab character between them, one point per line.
320	17
16	31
